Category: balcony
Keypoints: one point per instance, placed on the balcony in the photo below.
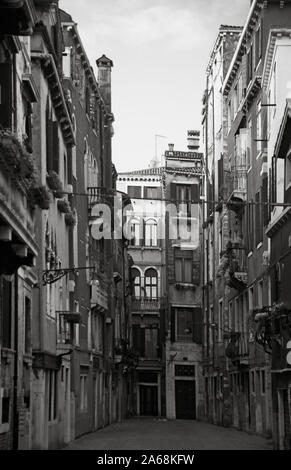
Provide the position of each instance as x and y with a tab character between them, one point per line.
143	304
237	348
237	277
65	334
237	186
99	296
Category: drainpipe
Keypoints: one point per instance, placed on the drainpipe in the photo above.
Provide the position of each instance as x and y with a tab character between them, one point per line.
15	375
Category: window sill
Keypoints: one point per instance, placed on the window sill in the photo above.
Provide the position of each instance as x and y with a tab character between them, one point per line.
250	254
259	245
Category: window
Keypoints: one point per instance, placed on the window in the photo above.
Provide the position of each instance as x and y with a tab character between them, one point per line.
151	233
183	265
152	192
263	382
27	332
6	312
97	332
6	112
220	319
83	392
287	171
135	227
5	409
259	223
145	340
67	62
151	283
249	143
253	385
135	275
259	127
250	64
134	191
230	316
260	294
151	343
258	52
52	391
185	326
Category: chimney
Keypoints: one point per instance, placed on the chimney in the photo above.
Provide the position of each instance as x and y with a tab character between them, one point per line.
171	147
193	139
104	80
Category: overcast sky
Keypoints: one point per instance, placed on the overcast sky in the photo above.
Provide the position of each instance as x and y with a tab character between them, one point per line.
160	50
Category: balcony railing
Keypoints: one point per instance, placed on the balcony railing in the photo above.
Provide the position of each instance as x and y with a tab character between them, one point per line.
146	304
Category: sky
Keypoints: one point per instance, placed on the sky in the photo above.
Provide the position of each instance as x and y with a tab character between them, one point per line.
160	50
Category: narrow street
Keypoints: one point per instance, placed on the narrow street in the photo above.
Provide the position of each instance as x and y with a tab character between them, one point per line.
160	434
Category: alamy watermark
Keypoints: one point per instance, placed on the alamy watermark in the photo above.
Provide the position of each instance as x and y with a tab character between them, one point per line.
168	221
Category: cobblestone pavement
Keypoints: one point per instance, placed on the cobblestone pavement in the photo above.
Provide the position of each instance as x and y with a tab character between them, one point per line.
160	434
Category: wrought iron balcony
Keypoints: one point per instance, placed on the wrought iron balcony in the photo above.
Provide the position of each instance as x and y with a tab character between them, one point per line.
146	304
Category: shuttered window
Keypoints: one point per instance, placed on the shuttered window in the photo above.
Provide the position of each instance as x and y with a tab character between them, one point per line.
6	313
5	95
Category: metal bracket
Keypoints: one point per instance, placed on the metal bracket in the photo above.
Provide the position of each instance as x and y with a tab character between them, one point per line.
50	276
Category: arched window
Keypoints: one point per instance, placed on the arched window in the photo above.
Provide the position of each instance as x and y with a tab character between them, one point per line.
135	275
135	225
151	233
151	283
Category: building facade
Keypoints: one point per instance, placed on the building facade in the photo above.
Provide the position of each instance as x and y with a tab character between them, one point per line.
182	189
148	273
19	177
274	320
66	357
241	395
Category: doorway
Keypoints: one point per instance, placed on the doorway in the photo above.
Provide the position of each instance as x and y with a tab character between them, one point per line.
148	400
185	399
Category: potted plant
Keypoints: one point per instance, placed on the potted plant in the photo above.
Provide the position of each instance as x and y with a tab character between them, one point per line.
55	184
64	206
70	219
28	168
40	196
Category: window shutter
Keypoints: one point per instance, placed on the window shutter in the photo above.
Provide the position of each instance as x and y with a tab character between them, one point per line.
55	146
173	192
197	325
196	267
220	176
49	142
6	95
264	198
7	313
257	219
195	193
172	324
